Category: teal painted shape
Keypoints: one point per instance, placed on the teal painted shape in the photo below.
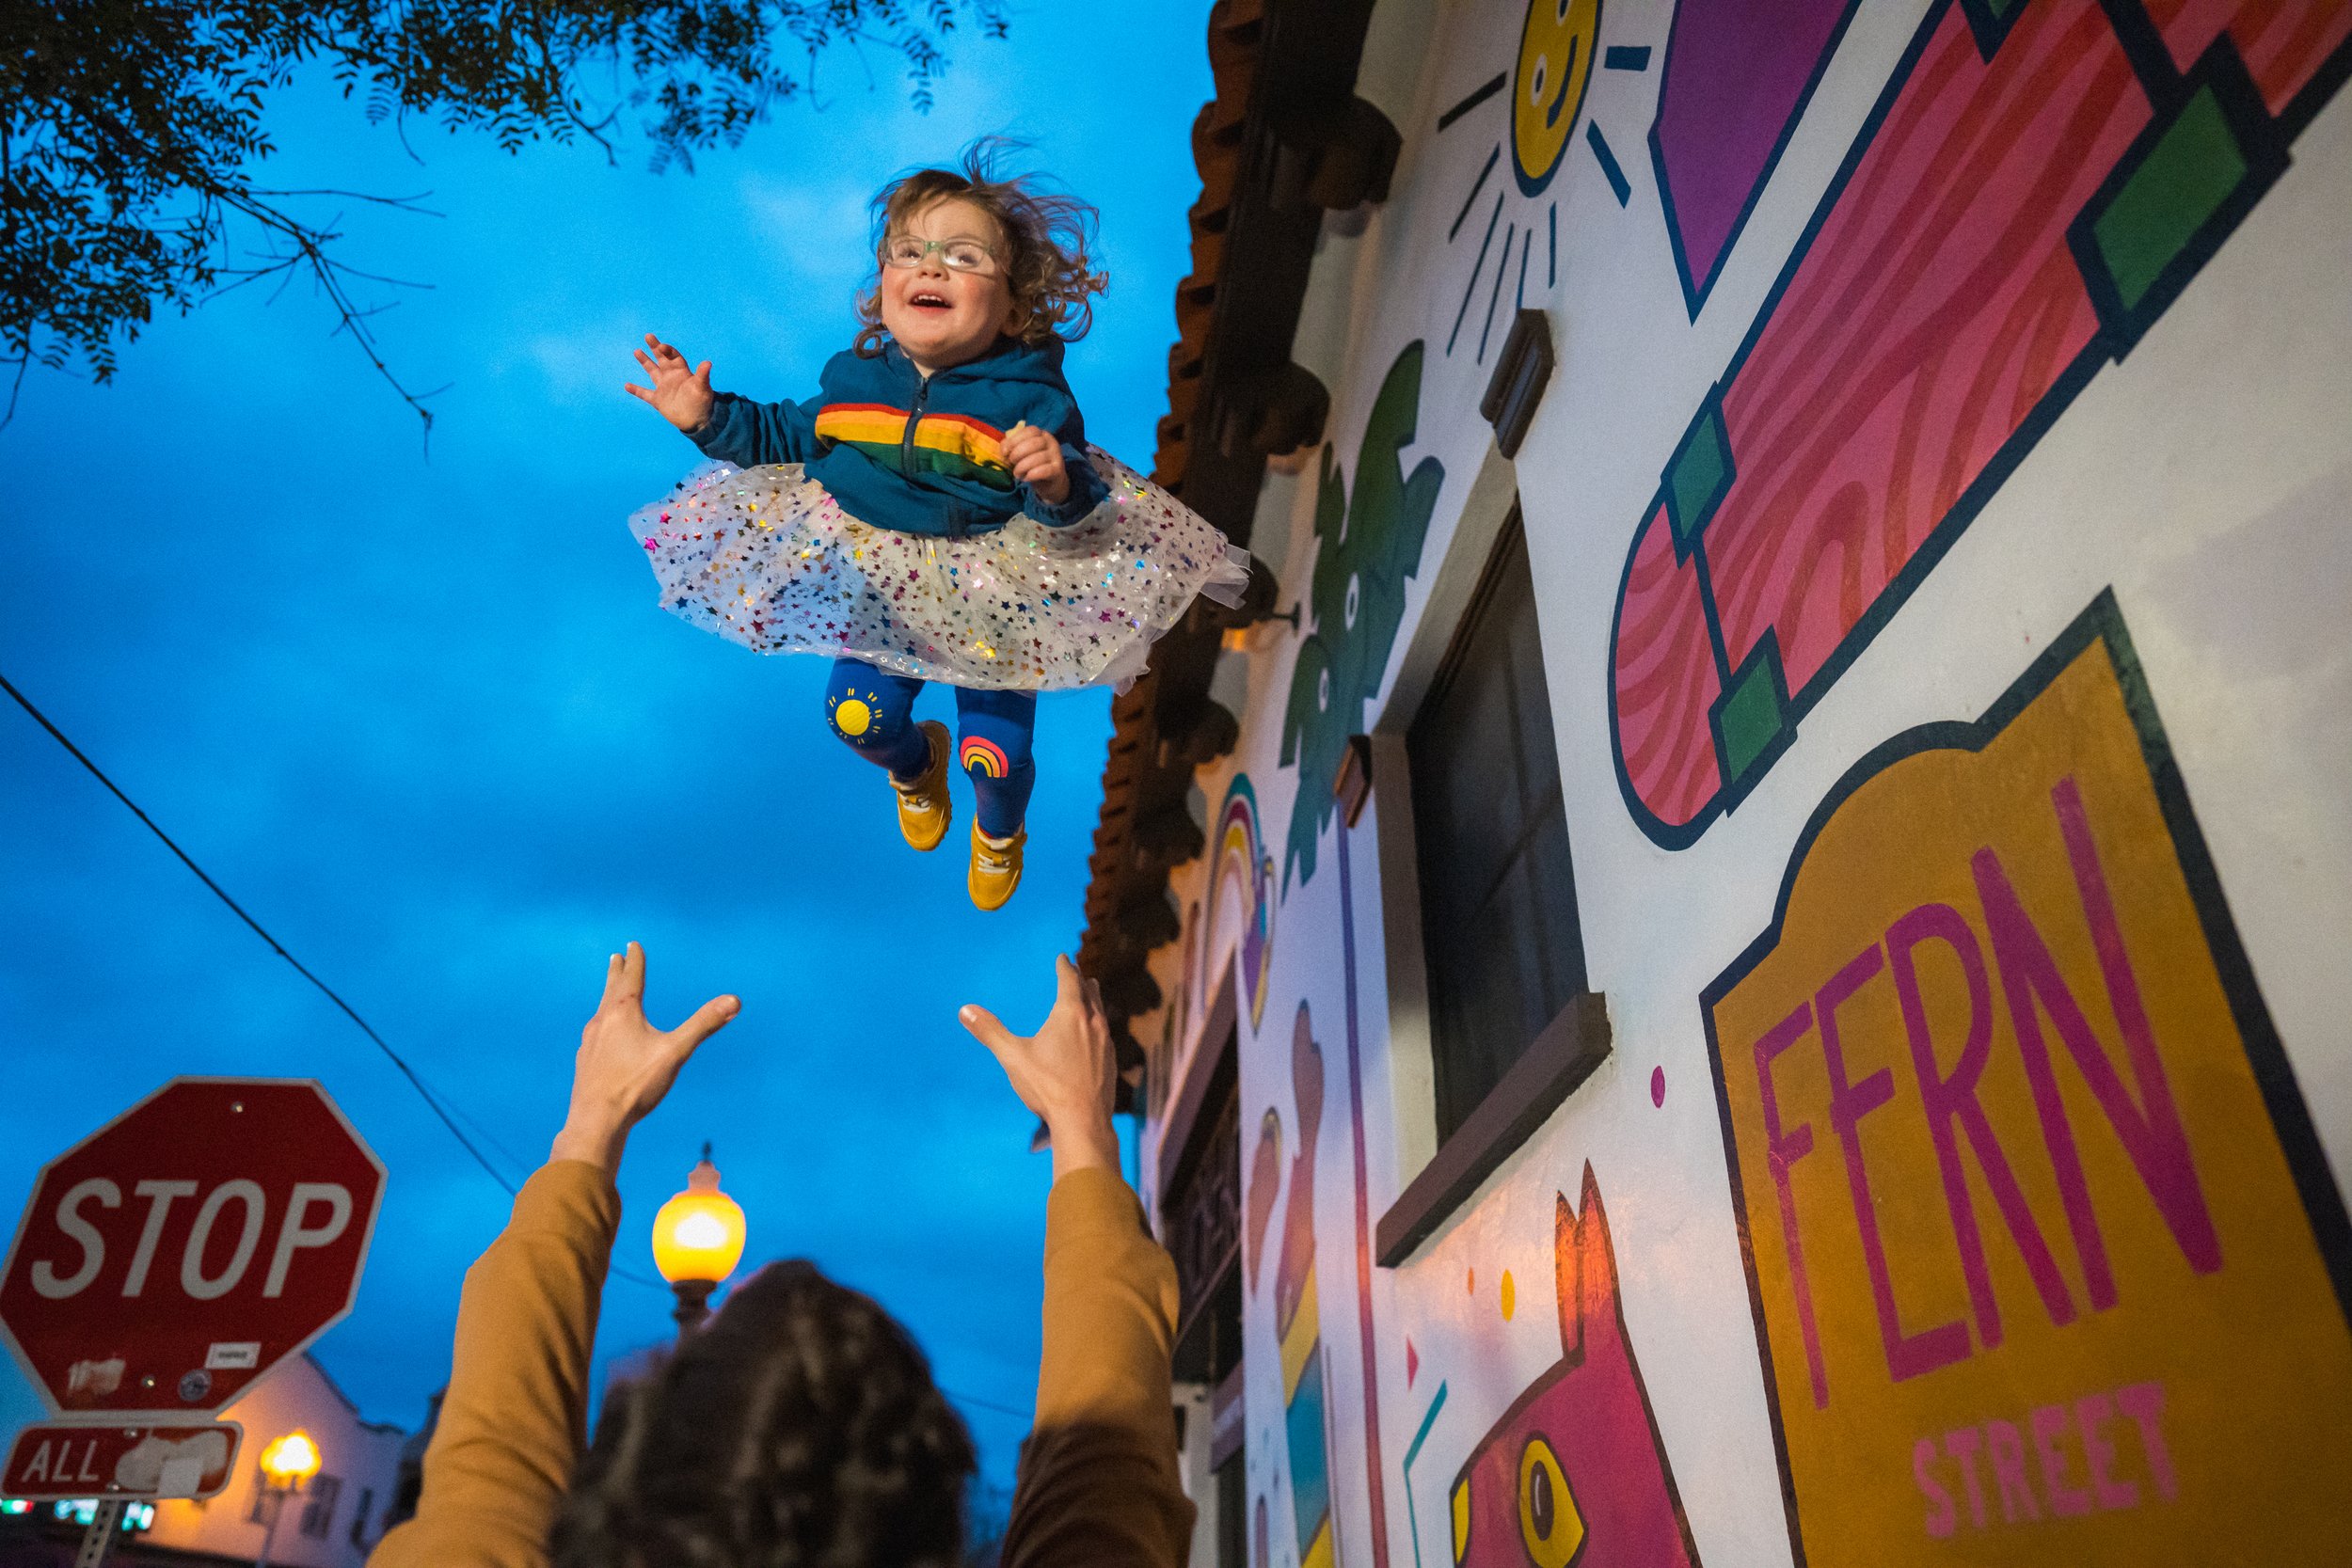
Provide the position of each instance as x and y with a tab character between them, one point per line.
2190	173
1412	1521
1698	475
1366	547
1302	1426
1751	716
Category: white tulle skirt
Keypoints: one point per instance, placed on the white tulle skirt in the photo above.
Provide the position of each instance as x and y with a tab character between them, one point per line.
767	557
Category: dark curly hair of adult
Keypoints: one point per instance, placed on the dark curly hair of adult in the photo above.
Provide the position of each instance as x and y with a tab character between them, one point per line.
799	1428
1049	236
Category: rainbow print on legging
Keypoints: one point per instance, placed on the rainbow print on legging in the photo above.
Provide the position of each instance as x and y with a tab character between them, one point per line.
984	756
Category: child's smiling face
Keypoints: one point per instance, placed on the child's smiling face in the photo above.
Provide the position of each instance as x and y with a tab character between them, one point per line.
942	315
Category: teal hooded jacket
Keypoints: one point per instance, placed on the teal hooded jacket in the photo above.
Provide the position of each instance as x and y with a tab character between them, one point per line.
916	453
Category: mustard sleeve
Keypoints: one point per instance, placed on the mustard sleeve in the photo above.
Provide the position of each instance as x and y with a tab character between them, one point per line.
513	1424
1098	1483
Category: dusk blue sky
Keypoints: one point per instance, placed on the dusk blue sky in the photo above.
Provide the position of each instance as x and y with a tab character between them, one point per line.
423	719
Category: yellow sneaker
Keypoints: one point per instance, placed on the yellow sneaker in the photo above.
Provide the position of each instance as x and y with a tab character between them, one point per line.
995	867
924	809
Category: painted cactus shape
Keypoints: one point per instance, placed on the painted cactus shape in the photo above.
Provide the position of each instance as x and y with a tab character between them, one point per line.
1366	546
1574	1472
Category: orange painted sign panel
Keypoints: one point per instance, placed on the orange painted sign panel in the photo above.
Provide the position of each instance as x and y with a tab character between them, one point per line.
2047	1262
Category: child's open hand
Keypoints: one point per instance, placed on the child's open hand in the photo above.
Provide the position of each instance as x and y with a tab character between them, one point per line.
683	396
1036	459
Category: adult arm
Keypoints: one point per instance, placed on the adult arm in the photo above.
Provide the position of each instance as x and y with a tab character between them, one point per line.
1098	1483
510	1427
513	1422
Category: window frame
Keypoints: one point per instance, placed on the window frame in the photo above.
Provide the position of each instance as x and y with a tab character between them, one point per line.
1444	687
321	1497
1440	1176
1208	1339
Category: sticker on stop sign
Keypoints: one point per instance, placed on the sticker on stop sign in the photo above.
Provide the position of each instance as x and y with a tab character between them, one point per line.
115	1460
171	1258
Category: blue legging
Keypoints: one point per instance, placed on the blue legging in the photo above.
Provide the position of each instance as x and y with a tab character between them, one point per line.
873	711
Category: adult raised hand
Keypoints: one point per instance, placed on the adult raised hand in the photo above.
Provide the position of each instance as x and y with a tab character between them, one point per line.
625	1065
1064	1072
680	394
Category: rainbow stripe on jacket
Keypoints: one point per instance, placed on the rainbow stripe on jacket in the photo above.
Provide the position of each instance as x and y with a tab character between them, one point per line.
956	445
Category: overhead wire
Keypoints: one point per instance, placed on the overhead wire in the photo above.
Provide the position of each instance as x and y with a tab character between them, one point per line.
276	946
449	1113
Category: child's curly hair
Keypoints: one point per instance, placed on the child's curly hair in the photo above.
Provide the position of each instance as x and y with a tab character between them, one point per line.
1048	235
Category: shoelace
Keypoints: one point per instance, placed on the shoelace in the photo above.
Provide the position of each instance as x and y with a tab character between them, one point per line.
992	859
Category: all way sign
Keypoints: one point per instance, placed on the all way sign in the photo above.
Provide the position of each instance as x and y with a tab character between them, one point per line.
170	1260
123	1463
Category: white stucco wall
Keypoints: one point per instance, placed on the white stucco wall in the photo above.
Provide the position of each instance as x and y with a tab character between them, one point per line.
2205	478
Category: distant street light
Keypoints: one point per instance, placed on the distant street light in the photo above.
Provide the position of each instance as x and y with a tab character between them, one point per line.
287	1465
697	1241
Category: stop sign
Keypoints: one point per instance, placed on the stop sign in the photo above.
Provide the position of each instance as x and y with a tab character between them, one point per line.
172	1258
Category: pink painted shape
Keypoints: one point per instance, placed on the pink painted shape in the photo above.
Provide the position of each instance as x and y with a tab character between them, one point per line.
2283	42
1591	1410
1657	1085
1936	309
1665	680
1784	1147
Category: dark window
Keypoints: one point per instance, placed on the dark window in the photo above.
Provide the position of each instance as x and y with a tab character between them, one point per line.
1201	1222
1233	1528
360	1517
318	1505
1498	898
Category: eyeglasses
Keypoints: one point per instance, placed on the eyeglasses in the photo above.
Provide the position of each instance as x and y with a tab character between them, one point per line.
905	250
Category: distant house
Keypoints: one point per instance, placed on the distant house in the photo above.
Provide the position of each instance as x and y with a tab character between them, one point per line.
334	1523
409	1488
337	1520
1742	960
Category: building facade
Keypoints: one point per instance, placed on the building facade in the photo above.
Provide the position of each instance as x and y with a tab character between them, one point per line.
334	1522
1743	963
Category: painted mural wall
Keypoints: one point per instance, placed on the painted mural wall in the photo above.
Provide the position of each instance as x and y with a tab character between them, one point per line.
1941	517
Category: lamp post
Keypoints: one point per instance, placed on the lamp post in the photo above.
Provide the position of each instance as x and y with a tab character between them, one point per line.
287	1465
697	1241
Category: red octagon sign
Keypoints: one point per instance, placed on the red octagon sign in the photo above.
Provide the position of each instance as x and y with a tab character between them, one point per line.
176	1255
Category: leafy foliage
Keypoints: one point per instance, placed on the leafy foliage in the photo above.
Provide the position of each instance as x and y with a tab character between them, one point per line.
131	130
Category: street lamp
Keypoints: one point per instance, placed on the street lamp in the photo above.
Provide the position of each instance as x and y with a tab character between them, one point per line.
287	1465
697	1241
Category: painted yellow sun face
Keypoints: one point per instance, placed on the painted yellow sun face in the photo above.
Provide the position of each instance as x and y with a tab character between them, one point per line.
1557	49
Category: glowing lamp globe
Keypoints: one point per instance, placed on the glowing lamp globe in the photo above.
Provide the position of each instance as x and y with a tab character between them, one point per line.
291	1461
698	1235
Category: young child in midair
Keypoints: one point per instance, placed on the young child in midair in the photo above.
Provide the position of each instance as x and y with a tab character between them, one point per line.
934	512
